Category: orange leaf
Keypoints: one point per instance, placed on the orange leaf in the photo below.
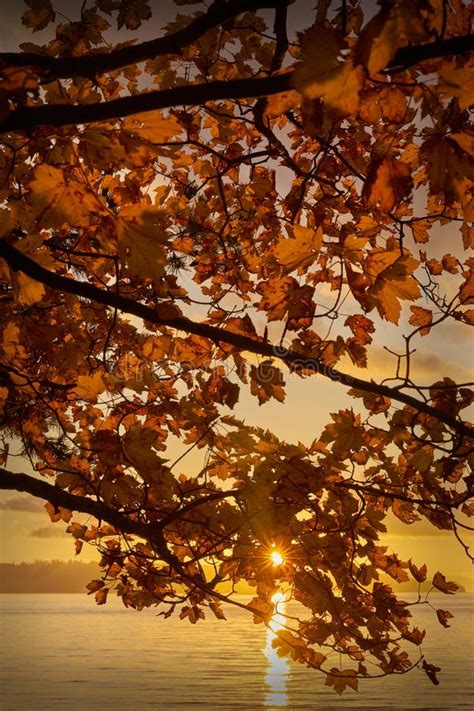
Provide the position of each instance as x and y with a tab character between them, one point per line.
421	318
389	181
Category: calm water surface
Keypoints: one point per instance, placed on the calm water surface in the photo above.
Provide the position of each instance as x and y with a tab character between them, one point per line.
63	652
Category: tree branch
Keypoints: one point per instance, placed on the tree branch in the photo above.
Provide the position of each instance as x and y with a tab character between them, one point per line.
295	361
410	55
58	497
27	118
94	63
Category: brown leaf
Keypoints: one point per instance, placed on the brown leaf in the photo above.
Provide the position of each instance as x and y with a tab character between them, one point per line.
388	182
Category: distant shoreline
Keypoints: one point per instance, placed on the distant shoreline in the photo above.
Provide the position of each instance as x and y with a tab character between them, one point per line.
71	577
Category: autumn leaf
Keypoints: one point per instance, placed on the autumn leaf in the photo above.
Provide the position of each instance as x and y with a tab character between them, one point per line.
341	679
216	608
430	671
345	432
141	242
393	281
266	381
450	168
11	343
101	596
29	291
39	15
420	230
58	198
440	583
443	617
280	103
388	182
421	318
418	573
323	74
94	585
301	249
458	81
89	386
153	126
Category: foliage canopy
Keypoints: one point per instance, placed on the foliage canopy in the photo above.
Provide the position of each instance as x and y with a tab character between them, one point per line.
247	198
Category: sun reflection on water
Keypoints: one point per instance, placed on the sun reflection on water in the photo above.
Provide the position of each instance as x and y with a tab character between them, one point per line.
276	696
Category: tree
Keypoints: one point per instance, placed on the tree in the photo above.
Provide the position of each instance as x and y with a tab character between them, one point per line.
221	208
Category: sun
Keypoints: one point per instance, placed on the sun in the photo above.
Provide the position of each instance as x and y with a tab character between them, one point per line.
276	557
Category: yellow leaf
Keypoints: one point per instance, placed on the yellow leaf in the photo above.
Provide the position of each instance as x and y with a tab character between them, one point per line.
153	126
385	33
11	342
339	679
420	230
301	249
459	82
28	290
89	386
57	199
280	103
321	74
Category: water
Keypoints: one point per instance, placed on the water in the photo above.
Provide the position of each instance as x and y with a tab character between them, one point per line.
64	652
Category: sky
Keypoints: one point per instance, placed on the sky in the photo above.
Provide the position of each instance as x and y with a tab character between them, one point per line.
27	534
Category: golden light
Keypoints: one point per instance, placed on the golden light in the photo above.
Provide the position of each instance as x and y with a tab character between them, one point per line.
277	558
278	597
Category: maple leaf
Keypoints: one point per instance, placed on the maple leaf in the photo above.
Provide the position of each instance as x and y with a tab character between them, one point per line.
11	343
301	249
39	15
153	126
266	381
445	586
418	573
421	318
393	282
29	291
57	198
141	242
450	168
341	679
458	81
89	386
345	432
420	230
388	182
322	73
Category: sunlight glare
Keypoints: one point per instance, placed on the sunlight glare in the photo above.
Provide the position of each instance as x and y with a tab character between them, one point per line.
277	558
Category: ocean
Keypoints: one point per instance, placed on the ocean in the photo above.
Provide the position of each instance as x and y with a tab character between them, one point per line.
61	651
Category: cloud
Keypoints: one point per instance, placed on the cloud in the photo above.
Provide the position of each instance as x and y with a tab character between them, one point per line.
22	503
426	367
48	532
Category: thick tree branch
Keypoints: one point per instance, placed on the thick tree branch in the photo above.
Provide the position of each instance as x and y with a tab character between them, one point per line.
406	57
58	497
295	361
27	118
94	63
